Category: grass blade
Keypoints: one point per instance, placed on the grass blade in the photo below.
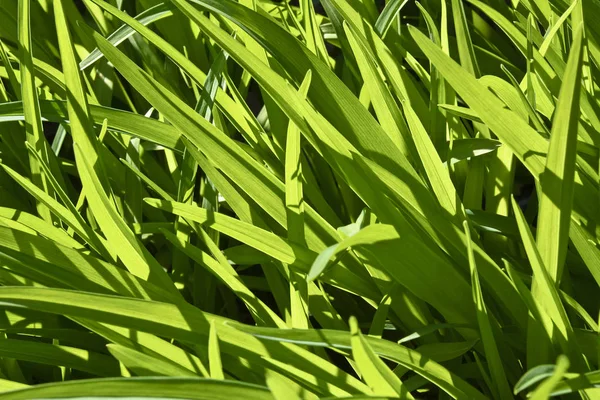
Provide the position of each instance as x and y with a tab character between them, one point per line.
558	179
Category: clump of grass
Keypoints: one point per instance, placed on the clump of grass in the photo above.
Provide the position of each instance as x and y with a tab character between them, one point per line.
217	199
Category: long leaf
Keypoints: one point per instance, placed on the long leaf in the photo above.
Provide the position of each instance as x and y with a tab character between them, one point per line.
155	387
558	179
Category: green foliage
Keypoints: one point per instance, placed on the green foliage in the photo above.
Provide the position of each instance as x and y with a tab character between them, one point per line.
260	199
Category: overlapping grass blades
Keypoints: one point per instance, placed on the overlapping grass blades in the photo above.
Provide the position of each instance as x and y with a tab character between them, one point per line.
261	199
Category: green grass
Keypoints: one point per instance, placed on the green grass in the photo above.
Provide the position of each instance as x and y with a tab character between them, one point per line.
257	199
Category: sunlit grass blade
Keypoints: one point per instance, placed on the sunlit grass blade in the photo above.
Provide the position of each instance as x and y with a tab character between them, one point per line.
144	365
282	388
378	376
264	241
501	388
548	298
294	197
406	357
294	201
12	76
214	355
529	146
183	322
95	363
386	109
558	179
545	388
224	272
167	354
38	225
149	387
256	237
93	174
122	121
436	172
147	17
463	38
133	254
31	107
387	16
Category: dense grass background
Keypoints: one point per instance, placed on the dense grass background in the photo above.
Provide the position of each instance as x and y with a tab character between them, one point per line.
256	199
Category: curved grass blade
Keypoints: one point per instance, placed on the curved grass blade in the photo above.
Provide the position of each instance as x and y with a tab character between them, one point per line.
39	226
534	376
70	216
12	76
244	121
408	358
147	17
387	16
588	380
225	273
148	344
72	268
551	33
380	244
188	324
256	237
543	391
151	388
95	363
91	236
378	376
145	365
328	93
121	121
123	242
